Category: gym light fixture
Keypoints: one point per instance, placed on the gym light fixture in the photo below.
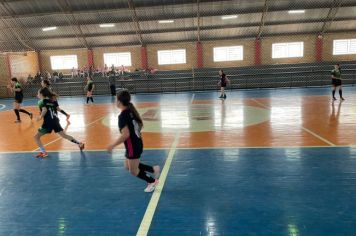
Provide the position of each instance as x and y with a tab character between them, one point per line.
49	28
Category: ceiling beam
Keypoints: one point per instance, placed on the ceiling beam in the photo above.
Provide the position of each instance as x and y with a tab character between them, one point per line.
298	5
244	37
263	20
72	21
198	19
189	29
331	16
135	20
20	33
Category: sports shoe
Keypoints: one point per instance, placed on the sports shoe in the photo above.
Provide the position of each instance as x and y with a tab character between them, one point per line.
151	186
224	96
221	96
42	155
68	116
334	98
342	98
156	172
81	146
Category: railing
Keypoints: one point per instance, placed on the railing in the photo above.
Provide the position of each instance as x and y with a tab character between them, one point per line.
303	78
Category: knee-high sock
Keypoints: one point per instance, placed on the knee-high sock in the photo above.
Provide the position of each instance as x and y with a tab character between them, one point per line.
17	114
142	175
145	168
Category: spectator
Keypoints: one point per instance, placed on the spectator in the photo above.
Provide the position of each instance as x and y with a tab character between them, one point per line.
38	78
30	79
61	76
73	72
122	70
55	77
112	83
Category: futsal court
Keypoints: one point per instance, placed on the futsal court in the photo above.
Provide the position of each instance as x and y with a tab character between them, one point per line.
262	162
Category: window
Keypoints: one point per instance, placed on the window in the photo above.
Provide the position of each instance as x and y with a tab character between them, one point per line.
117	59
66	62
344	46
234	53
287	50
169	57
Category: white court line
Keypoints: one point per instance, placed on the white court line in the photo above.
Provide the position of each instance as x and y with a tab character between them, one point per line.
152	205
2	106
303	128
59	138
192	100
318	136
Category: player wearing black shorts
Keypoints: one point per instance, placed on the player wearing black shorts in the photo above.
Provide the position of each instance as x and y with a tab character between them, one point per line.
16	88
90	89
223	83
49	107
46	84
130	125
336	81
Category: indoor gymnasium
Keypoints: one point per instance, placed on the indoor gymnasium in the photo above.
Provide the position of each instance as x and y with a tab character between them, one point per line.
167	117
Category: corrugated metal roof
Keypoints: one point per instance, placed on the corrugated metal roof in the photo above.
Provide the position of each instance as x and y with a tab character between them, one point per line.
21	21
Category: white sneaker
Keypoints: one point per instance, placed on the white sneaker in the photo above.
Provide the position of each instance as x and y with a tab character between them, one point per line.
151	187
156	172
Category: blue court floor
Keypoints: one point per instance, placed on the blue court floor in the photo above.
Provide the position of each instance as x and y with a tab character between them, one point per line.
250	191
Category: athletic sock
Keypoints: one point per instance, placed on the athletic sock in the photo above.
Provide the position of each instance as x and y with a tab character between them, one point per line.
92	99
24	111
42	149
75	141
17	114
87	100
333	93
142	175
340	92
145	168
64	113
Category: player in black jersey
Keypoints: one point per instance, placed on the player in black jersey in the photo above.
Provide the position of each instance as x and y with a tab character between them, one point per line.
16	88
90	89
336	81
46	84
49	107
130	125
223	83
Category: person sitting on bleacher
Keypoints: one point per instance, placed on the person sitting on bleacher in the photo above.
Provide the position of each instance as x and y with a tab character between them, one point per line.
55	77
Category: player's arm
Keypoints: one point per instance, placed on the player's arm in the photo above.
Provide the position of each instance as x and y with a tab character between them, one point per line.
125	134
43	113
333	75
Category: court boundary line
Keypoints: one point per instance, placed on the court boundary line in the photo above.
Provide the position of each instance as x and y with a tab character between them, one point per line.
152	205
192	99
303	128
59	138
189	148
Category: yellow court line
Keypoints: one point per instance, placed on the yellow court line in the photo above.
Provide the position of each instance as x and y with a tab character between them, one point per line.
59	138
152	205
303	128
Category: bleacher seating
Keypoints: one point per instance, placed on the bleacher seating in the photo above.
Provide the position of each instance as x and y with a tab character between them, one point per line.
264	76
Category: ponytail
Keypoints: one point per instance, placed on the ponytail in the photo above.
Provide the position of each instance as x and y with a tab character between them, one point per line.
125	98
135	113
46	92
